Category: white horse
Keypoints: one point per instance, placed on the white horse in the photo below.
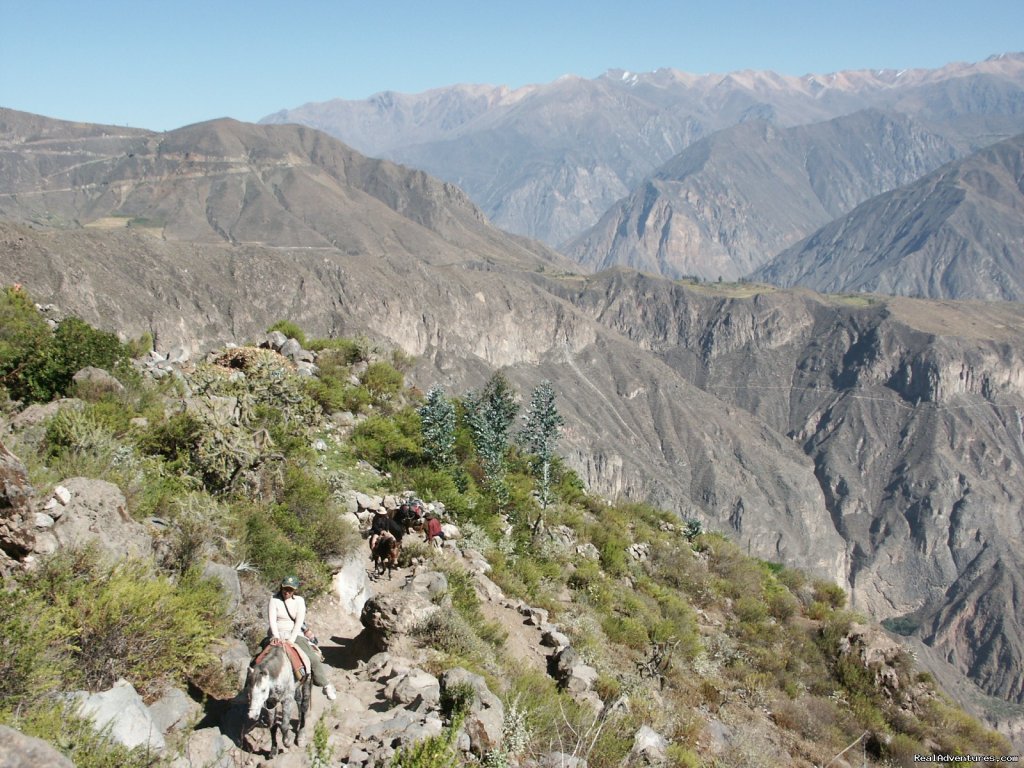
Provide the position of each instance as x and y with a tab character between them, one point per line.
273	693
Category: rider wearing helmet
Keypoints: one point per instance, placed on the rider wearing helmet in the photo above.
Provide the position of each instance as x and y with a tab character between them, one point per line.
286	616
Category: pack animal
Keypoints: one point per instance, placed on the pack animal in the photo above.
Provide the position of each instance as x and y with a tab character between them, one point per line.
273	694
385	554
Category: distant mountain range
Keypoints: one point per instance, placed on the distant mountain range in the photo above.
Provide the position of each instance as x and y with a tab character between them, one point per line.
549	160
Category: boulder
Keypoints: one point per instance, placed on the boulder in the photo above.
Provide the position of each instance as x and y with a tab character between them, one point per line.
275	340
486	715
228	578
35	415
572	674
97	380
20	751
234	658
291	349
649	746
96	513
414	687
209	748
174	710
561	760
386	616
429	584
122	710
351	584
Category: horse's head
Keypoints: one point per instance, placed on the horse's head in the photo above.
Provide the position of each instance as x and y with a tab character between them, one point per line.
257	691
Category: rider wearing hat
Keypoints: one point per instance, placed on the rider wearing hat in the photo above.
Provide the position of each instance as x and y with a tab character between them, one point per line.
286	616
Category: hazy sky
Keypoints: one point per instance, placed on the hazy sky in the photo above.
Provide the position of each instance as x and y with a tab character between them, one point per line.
161	65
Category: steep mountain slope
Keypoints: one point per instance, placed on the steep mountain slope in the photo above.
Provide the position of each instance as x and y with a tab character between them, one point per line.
956	233
230	182
547	160
727	203
876	442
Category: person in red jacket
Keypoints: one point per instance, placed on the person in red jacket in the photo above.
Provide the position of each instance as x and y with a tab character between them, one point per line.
434	534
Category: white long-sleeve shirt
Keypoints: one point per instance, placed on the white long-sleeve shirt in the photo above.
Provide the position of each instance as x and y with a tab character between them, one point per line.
283	626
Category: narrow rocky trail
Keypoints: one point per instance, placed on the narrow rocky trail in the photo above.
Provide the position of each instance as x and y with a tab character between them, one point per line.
386	699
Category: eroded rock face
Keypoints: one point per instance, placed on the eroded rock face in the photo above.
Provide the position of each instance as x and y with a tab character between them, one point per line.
17	530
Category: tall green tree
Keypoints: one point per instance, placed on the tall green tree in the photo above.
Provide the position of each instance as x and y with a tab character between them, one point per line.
490	414
437	416
541	428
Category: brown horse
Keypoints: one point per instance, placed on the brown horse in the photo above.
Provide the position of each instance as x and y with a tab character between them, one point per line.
385	554
272	694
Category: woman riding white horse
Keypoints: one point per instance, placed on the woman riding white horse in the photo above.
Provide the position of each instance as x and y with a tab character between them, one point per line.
286	615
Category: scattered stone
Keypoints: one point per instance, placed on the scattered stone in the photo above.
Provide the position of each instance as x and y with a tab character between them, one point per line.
650	746
97	380
20	751
122	710
572	674
486	713
174	711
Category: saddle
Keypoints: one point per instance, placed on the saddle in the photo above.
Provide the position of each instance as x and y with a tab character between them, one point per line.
298	658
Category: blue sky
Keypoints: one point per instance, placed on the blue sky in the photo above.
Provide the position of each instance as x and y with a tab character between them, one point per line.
161	65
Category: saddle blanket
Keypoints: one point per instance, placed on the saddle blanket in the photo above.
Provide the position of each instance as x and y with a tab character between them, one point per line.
297	657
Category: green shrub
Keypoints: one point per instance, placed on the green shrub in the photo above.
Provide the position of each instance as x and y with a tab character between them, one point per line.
289	329
381	440
383	382
34	647
48	370
125	621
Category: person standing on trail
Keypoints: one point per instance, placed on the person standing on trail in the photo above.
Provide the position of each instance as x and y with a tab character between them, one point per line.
286	615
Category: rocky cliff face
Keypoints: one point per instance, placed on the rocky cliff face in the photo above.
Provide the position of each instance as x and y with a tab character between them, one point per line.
917	440
954	233
727	203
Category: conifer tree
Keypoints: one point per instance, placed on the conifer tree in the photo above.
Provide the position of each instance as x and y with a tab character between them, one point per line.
490	414
437	415
540	432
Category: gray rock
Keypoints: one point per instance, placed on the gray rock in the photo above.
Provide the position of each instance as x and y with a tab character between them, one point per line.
414	686
42	520
276	340
179	355
228	578
351	584
97	512
486	715
122	710
20	751
210	748
552	638
561	760
174	711
649	745
291	349
430	584
386	616
234	658
98	379
36	415
572	673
